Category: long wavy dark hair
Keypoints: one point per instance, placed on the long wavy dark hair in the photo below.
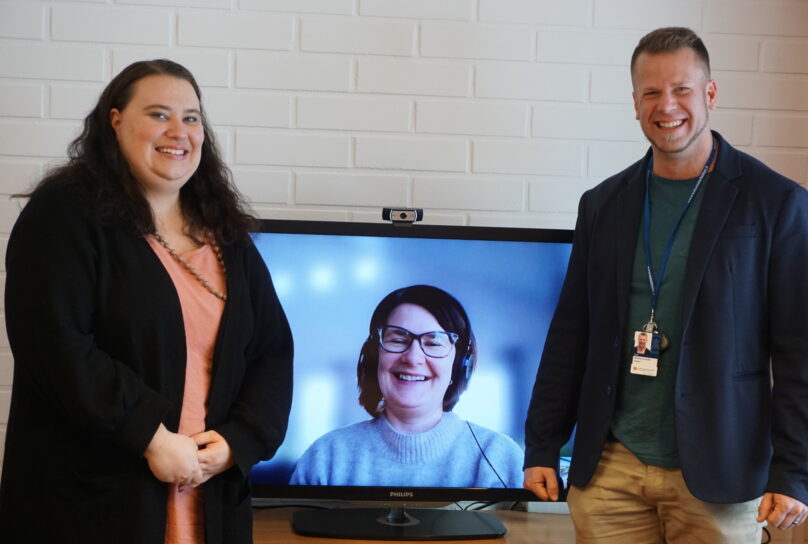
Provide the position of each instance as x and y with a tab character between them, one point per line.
209	200
449	314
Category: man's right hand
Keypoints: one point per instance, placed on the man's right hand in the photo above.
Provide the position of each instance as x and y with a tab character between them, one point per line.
173	459
542	482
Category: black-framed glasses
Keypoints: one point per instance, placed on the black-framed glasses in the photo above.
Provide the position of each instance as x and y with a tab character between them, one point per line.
433	343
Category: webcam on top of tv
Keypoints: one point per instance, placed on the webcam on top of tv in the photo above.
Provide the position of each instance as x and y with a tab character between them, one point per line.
402	216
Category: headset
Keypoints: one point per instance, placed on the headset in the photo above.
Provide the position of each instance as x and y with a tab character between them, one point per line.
466	367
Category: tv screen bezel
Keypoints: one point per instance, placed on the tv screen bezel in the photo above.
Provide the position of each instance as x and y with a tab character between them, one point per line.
387	495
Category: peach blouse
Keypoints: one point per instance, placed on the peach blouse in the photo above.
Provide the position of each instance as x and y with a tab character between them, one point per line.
201	314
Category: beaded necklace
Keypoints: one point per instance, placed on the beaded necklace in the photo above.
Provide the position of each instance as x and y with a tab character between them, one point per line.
216	249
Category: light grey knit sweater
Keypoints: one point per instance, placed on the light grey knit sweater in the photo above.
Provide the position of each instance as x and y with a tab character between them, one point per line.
373	453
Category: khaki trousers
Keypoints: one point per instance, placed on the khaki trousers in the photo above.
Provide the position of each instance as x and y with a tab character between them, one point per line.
629	502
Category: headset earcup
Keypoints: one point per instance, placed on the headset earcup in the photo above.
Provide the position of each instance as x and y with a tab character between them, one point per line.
466	364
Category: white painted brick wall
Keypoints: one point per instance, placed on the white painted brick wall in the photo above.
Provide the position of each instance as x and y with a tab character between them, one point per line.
328	112
764	92
262	185
304	73
211	67
471	117
483	112
737	127
782	131
413	77
555	195
21	99
22	21
9	210
539	12
607	158
6	372
275	148
177	3
350	35
785	56
550	220
790	164
419	9
544	82
542	158
237	30
337	7
32	60
314	214
648	14
73	101
248	109
327	188
224	139
116	25
763	18
5	402
585	122
587	47
474	41
468	193
36	138
412	153
16	176
610	85
732	53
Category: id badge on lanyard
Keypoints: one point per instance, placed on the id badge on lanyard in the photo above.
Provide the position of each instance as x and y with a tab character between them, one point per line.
649	341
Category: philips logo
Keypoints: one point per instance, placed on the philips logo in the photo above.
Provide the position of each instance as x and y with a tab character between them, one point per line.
402	494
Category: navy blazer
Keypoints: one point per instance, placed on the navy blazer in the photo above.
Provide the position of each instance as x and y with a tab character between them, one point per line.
744	317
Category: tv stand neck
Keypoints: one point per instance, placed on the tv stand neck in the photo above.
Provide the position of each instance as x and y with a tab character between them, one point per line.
397	516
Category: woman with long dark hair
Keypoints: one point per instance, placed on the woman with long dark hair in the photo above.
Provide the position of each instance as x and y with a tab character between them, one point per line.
152	358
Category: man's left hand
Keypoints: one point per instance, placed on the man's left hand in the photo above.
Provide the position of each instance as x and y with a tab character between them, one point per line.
782	511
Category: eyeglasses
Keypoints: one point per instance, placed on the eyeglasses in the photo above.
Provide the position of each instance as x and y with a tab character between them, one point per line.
433	344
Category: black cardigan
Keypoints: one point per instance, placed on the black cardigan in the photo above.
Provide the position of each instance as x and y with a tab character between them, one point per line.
96	331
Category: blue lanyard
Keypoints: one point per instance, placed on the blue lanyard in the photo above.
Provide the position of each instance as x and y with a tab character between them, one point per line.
646	228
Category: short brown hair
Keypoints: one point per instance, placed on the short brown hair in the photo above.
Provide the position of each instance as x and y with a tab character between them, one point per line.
672	38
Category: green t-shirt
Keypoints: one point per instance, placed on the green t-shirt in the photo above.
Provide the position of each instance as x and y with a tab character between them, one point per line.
644	416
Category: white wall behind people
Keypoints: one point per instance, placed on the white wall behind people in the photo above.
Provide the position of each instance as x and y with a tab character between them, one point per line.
481	112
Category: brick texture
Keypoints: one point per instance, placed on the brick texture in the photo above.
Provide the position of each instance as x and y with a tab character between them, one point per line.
482	112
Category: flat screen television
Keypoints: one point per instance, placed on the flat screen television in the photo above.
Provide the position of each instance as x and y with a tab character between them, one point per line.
330	277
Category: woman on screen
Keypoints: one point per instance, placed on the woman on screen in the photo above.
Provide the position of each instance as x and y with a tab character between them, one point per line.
152	358
413	367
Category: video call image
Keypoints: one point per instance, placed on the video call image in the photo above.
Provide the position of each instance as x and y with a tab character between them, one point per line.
330	287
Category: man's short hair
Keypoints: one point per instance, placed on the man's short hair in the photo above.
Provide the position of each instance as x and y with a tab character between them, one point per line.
672	38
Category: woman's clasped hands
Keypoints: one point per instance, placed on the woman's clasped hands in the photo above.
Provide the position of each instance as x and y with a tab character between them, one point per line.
187	460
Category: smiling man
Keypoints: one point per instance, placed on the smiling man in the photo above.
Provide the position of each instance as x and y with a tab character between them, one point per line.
704	250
